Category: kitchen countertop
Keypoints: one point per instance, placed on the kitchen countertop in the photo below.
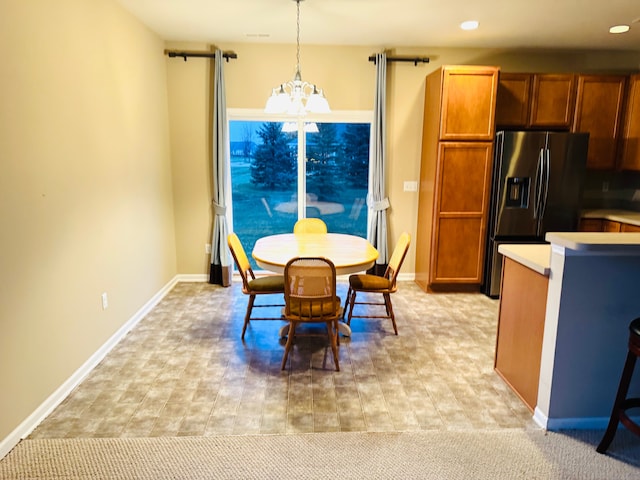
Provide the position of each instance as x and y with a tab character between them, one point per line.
537	257
596	241
623	216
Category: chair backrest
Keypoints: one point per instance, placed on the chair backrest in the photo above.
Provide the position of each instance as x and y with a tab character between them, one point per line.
310	225
397	257
240	257
310	289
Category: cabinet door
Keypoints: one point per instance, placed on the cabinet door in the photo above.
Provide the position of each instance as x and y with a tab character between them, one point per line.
630	159
590	225
460	212
552	100
611	226
523	305
627	227
468	103
514	97
599	103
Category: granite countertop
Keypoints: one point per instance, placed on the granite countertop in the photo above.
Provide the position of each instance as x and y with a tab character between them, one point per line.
537	257
623	216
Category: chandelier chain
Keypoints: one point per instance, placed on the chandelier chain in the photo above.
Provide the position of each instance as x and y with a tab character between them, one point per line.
298	36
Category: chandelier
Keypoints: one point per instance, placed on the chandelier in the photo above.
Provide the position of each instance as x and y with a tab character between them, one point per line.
297	97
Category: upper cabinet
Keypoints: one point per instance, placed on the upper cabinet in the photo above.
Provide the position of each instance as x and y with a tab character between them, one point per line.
630	158
535	100
514	94
599	105
552	98
468	100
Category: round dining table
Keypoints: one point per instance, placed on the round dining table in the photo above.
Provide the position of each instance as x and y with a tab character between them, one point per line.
349	254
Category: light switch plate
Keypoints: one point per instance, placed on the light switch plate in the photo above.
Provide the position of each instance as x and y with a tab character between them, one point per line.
411	186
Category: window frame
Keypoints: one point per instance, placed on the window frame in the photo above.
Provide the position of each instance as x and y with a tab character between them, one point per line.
258	115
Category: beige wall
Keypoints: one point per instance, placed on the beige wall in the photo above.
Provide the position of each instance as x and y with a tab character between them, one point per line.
348	79
85	188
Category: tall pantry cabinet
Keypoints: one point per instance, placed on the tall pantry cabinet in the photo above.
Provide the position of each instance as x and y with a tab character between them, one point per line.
455	176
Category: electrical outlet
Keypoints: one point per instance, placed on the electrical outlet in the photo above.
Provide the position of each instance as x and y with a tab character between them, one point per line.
636	196
605	186
105	301
207	248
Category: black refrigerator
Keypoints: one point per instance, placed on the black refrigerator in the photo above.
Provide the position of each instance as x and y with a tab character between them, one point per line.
536	188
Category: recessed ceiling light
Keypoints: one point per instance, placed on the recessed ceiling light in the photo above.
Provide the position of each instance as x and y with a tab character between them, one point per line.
619	29
469	25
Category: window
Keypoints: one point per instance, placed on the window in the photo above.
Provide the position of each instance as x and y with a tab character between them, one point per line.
315	169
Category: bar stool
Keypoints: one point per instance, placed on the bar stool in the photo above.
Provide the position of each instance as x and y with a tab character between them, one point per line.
622	403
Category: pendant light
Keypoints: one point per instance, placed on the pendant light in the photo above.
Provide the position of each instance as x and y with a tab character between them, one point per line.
297	97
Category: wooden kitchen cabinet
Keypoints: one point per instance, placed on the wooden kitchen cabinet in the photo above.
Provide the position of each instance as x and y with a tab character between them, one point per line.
611	226
535	100
468	102
590	225
630	158
513	100
460	214
552	100
521	318
604	225
455	171
599	105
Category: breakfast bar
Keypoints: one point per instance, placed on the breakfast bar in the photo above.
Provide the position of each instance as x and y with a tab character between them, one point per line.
592	296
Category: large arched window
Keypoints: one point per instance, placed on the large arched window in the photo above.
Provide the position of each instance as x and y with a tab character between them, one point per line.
283	169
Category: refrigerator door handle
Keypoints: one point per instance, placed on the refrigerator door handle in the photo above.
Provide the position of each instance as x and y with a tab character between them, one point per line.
539	179
545	185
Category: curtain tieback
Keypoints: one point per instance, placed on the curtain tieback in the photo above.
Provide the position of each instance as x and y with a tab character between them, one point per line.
219	209
379	205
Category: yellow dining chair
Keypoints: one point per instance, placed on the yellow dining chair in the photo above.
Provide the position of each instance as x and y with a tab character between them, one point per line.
385	285
310	225
252	286
310	297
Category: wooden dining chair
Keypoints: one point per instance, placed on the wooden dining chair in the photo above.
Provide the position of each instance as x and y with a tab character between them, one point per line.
310	297
252	285
374	284
310	225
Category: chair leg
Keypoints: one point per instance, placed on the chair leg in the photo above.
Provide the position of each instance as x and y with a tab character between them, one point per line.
627	373
287	347
346	302
252	298
352	302
389	307
332	328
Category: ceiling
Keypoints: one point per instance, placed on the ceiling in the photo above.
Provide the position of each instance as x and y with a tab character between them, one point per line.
566	24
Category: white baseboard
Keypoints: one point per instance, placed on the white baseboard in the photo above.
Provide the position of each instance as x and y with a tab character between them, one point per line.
580	423
40	413
192	277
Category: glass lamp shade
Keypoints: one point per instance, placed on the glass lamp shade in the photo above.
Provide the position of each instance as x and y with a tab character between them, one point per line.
290	127
278	102
317	103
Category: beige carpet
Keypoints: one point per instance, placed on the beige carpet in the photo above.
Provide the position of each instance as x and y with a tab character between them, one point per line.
451	455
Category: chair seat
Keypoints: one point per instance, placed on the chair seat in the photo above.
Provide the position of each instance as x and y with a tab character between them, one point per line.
369	282
267	284
317	309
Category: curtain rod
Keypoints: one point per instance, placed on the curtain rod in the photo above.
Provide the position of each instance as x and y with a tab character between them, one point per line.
191	53
414	60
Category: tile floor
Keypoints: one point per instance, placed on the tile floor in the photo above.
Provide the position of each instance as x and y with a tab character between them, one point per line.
183	370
